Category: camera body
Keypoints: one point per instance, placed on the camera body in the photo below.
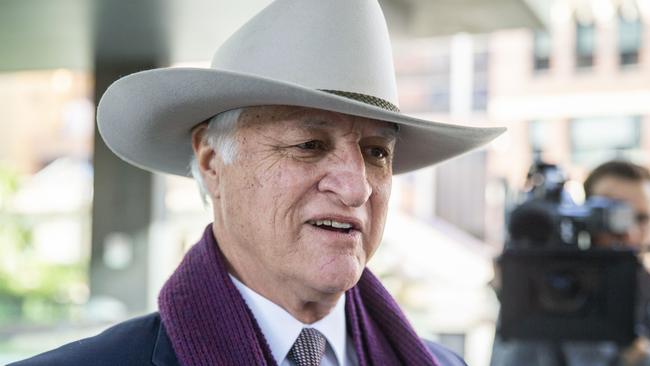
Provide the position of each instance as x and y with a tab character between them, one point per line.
559	280
549	219
558	295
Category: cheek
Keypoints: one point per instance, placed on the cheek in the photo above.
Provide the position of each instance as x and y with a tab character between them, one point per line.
276	195
379	201
644	231
378	210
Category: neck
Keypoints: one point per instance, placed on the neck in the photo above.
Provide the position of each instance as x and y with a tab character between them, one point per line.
305	304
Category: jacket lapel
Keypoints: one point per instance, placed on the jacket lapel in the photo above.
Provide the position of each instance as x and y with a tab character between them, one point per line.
163	353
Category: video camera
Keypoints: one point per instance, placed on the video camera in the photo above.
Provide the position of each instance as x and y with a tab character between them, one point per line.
559	280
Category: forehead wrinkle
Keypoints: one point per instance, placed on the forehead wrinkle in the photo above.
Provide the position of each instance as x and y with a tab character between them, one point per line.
389	131
313	119
312	124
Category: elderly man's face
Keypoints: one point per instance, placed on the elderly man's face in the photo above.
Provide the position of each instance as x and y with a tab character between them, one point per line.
304	203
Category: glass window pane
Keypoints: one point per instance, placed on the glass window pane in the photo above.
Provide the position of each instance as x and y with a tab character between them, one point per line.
585	44
597	139
629	40
542	50
539	133
480	89
423	79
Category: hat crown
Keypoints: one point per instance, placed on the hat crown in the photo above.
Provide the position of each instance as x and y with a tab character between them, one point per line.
340	45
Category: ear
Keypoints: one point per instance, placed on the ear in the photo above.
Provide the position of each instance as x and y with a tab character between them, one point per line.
206	159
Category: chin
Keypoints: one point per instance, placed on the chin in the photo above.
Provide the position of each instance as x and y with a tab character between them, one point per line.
339	277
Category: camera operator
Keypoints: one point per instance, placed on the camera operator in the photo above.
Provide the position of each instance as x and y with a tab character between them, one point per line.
629	183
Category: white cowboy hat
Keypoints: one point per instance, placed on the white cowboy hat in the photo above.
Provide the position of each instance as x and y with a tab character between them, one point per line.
327	54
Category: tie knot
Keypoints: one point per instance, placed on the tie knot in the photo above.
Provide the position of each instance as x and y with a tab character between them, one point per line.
309	348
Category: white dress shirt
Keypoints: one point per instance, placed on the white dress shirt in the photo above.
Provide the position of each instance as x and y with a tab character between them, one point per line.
281	329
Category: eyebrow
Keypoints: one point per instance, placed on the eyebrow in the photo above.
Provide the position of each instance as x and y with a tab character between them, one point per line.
390	132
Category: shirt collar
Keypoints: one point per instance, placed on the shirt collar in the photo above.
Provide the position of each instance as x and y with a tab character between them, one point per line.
281	329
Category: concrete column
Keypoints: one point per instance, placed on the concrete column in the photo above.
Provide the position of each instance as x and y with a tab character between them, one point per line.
121	216
460	183
129	37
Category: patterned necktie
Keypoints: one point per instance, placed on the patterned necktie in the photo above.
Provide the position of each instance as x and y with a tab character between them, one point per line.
309	348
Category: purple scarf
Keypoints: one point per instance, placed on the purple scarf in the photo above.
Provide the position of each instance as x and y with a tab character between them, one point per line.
209	322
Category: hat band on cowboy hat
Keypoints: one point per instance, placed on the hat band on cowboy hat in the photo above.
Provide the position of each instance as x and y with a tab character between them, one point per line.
333	55
368	99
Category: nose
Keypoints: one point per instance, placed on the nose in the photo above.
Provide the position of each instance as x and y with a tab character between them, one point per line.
346	177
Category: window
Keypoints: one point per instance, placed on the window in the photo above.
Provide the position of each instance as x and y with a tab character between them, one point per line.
629	37
541	50
585	44
480	88
439	83
539	134
423	77
597	139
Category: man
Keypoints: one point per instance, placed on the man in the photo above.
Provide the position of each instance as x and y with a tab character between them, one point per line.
297	158
629	183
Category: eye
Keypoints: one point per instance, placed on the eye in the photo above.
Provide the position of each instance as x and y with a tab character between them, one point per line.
312	145
378	154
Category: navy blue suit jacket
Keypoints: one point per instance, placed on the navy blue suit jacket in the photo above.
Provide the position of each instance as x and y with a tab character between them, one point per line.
143	341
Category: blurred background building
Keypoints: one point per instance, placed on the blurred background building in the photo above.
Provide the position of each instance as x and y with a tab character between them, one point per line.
87	240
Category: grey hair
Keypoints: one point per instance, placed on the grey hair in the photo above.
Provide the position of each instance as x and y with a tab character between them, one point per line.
220	134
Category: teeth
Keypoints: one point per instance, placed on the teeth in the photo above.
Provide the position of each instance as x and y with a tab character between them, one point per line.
332	223
341	225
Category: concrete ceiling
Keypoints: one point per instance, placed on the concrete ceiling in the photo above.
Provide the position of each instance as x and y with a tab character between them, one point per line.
424	18
42	34
47	34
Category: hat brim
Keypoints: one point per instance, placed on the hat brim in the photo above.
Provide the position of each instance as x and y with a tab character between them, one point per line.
146	118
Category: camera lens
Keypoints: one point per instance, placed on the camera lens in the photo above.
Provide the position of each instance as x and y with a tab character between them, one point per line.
561	292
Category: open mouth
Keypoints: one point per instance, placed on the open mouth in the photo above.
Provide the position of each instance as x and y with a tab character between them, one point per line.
332	225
